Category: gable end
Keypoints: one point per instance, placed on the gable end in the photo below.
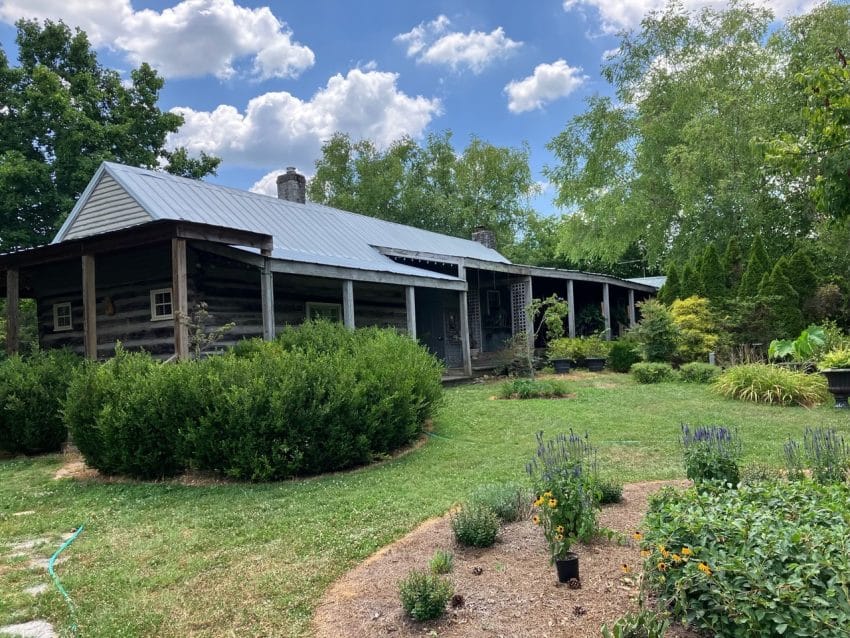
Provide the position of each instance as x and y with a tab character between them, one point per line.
108	207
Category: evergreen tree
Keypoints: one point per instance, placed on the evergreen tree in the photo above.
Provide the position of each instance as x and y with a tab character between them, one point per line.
733	265
801	275
758	265
784	302
712	276
671	290
688	282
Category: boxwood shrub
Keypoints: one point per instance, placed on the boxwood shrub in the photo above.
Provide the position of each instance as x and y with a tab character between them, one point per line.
698	372
623	354
769	559
321	398
31	393
653	372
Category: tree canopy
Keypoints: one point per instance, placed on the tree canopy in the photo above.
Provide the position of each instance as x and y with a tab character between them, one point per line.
61	115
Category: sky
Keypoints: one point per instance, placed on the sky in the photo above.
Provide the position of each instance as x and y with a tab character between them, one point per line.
262	85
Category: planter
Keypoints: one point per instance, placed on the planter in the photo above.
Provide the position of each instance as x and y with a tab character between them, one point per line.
567	568
838	383
562	366
595	364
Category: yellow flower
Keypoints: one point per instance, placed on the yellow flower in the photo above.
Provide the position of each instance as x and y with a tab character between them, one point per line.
560	529
538	502
687	551
626	569
547	494
677	558
536	519
662	567
662	549
704	568
637	536
665	553
559	537
553	503
644	553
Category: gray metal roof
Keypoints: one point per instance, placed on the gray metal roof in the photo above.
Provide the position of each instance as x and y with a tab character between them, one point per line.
310	233
655	282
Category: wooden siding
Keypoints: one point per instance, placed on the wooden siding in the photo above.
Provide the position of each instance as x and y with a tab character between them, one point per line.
108	208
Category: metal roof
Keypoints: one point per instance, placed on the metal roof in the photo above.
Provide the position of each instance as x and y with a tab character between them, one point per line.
655	282
310	233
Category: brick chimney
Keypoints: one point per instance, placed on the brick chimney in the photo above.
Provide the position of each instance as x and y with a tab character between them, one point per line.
292	186
483	236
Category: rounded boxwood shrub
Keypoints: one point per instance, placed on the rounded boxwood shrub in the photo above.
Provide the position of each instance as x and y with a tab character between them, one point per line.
653	372
423	595
698	372
31	393
475	525
622	355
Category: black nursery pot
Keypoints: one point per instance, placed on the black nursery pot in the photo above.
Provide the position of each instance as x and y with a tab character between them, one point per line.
562	366
595	364
838	383
567	568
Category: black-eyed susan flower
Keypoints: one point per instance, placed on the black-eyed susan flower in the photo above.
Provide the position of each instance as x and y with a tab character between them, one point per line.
547	494
637	536
560	529
626	568
687	551
644	553
559	537
677	559
538	502
535	519
662	567
553	503
704	568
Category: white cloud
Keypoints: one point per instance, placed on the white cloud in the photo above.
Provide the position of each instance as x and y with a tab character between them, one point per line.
267	184
192	38
429	43
279	128
617	15
548	82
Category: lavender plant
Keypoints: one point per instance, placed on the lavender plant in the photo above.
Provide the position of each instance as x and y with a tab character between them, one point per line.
828	454
795	463
711	454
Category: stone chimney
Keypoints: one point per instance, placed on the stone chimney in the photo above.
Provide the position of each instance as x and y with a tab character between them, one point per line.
292	186
483	236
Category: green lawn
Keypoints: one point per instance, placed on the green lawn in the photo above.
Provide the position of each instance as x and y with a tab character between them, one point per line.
238	559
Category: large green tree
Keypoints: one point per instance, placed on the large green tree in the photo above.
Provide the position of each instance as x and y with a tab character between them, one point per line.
61	115
429	185
668	161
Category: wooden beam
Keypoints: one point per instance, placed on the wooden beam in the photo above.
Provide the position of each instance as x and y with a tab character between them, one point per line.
571	309
348	303
179	298
223	235
12	312
267	299
89	308
371	276
632	318
606	310
464	323
410	305
529	298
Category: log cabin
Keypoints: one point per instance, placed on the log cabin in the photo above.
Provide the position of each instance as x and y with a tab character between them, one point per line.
142	247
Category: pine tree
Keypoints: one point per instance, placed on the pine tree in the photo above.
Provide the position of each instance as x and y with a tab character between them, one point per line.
758	265
712	277
784	302
733	265
688	282
801	275
671	290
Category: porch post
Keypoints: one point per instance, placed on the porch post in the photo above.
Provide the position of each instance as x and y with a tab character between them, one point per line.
529	321
267	299
632	318
179	298
410	305
606	310
571	309
12	313
464	324
348	303
89	308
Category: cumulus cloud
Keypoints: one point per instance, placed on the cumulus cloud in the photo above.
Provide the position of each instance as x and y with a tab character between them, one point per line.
627	14
279	128
548	82
192	38
430	43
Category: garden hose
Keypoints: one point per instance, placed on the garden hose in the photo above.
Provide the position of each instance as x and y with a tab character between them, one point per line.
58	583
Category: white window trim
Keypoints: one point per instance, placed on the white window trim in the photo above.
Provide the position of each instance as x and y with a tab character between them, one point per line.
311	305
154	293
56	326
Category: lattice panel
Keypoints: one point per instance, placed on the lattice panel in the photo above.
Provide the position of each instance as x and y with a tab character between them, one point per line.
473	306
518	301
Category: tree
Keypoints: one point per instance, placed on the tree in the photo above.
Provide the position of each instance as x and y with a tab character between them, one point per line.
657	334
712	276
688	285
671	290
697	328
758	265
784	301
733	265
62	115
430	186
800	272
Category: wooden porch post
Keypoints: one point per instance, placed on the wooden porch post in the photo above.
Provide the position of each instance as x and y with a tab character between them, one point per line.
571	309
632	318
267	299
410	305
606	310
348	303
89	308
179	298
529	298
12	312
464	324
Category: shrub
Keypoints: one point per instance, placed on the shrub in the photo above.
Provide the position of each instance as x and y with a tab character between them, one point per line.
533	389
572	348
824	453
763	383
697	328
441	562
642	624
609	491
423	595
656	332
762	561
653	372
622	355
711	454
759	473
475	525
835	359
696	372
31	393
508	501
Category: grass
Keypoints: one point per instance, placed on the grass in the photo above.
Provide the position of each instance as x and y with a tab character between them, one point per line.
237	559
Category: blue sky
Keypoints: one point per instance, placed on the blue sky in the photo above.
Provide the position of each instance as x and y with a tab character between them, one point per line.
262	84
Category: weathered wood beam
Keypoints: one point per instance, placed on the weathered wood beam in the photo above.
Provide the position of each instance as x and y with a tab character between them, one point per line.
12	311
529	299
571	309
410	306
464	323
348	303
222	235
632	317
267	299
371	276
606	310
89	308
179	298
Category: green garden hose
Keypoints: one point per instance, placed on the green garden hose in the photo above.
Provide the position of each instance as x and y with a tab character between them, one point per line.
58	583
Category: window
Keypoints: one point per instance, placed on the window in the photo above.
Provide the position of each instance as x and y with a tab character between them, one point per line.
327	311
62	317
161	304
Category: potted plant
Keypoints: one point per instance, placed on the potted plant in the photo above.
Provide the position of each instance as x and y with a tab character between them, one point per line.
799	353
835	366
559	351
596	352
